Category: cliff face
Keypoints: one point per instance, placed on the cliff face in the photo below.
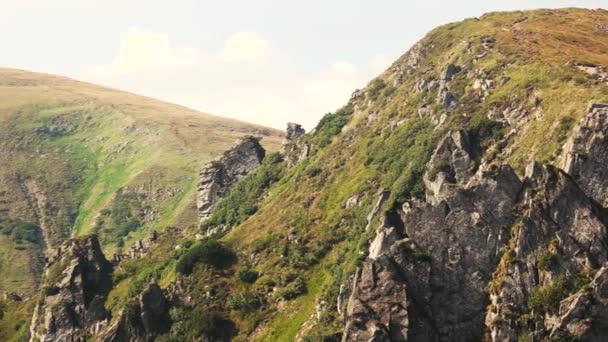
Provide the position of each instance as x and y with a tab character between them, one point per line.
220	175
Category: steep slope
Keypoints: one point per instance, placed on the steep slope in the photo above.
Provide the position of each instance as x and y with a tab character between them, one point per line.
78	159
460	196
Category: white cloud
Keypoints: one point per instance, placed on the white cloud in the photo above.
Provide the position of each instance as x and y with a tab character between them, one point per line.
142	50
224	83
246	47
379	63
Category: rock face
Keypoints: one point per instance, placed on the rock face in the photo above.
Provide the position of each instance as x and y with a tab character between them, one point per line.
556	245
78	280
586	153
464	264
144	317
221	174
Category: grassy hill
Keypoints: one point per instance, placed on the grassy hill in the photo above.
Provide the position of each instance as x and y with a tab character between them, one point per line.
305	242
79	158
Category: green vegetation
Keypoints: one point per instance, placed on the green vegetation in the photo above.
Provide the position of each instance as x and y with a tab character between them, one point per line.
546	260
85	149
248	276
132	170
485	131
210	252
294	289
401	157
124	216
246	302
547	298
330	126
20	231
191	322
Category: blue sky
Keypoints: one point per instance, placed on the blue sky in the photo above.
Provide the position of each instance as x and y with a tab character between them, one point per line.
264	61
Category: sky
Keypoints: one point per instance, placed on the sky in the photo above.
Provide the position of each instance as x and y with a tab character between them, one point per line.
266	61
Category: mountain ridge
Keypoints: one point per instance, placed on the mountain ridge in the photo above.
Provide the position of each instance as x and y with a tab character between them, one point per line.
434	206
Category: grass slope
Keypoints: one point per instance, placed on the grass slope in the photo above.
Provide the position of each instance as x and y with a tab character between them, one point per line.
302	232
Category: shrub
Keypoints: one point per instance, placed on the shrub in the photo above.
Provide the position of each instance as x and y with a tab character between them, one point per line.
313	171
331	125
51	290
245	302
547	298
210	252
546	260
294	290
441	166
20	231
248	276
375	88
485	131
207	321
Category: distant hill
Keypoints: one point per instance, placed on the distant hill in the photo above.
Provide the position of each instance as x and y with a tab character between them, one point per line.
71	150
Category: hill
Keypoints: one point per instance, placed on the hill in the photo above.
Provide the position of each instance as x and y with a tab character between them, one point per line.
79	159
460	196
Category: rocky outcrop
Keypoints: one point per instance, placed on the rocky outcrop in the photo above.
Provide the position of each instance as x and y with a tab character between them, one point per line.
453	163
294	131
295	149
377	307
586	153
585	314
144	317
220	175
463	265
557	242
445	97
77	282
141	247
444	255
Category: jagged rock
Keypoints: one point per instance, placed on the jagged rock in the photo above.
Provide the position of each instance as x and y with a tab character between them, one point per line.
596	72
558	217
450	71
73	304
220	175
585	314
444	257
448	100
142	318
294	131
382	197
586	153
454	161
386	235
295	149
352	202
377	308
154	310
